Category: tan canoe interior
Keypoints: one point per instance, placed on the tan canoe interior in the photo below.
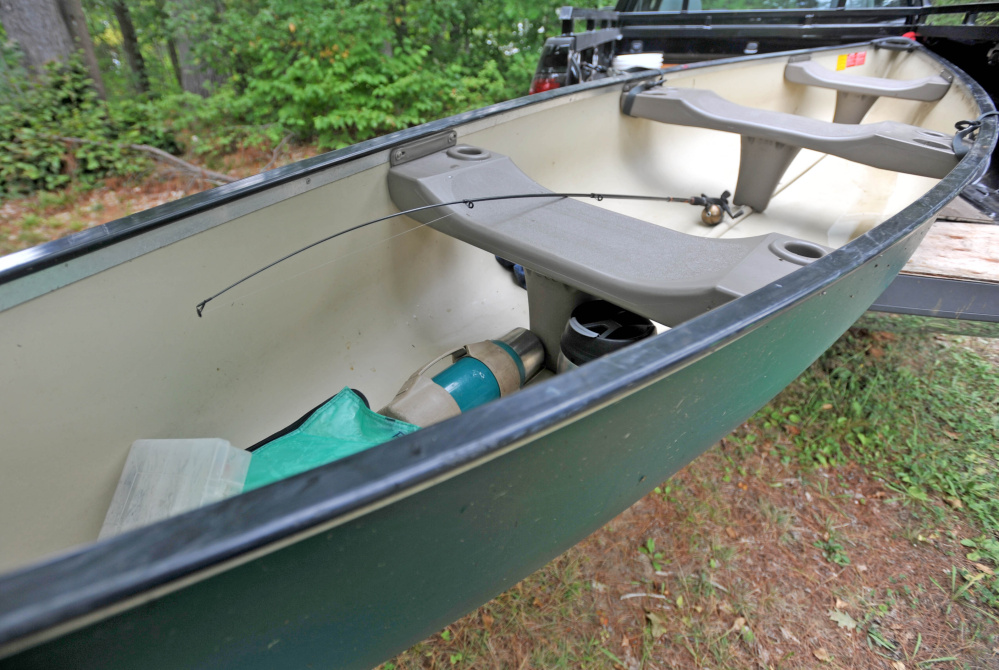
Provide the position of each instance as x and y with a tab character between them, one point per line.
121	354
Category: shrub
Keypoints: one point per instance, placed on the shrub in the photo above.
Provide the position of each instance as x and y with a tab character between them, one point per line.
62	103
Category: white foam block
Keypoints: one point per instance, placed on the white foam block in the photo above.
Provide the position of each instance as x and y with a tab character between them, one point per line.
163	478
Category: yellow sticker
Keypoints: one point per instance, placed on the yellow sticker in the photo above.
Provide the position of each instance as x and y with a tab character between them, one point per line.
841	62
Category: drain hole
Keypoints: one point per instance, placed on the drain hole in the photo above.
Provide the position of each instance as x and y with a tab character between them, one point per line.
468	153
804	250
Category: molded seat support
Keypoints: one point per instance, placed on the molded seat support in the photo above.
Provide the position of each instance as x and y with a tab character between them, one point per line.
855	94
770	140
659	273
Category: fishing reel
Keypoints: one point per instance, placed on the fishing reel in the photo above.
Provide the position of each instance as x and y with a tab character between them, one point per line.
714	208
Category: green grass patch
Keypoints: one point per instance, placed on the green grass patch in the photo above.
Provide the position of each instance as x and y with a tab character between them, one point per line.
921	413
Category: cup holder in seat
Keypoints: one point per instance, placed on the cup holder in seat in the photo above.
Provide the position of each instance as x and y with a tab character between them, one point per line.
465	152
798	252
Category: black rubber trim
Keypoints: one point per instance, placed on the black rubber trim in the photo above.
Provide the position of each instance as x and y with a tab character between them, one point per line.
106	573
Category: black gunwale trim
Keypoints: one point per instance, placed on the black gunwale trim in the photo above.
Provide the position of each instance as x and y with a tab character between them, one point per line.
107	573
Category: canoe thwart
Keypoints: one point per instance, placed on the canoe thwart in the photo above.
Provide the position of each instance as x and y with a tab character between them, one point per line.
770	140
659	273
856	94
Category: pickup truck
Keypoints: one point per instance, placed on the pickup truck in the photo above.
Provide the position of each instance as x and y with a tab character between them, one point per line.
660	33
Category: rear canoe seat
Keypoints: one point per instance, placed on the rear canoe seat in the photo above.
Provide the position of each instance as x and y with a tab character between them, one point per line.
771	140
855	94
659	273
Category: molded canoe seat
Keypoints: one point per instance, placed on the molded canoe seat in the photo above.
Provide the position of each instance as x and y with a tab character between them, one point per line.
771	140
659	273
856	94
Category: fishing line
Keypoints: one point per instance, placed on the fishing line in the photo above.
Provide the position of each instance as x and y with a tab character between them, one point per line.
339	258
701	200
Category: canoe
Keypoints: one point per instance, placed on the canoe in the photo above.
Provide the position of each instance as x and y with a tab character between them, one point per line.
106	340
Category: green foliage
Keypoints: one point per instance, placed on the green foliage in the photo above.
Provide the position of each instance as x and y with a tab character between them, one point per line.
655	557
983	19
340	72
63	104
833	551
153	31
12	72
333	72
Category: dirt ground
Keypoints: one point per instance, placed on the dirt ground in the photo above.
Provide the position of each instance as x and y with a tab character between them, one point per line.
25	222
750	583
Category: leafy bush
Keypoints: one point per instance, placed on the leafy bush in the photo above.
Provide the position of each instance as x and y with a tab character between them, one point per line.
333	72
338	72
62	104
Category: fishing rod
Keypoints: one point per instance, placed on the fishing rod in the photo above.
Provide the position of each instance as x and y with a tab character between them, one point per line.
712	214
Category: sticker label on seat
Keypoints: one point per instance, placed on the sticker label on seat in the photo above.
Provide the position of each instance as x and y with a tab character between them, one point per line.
851	60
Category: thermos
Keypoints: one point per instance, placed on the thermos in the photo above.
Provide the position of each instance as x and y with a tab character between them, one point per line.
478	373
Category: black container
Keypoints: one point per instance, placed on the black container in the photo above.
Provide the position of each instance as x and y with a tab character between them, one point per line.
597	328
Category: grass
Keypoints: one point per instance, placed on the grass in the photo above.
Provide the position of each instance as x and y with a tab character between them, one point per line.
922	416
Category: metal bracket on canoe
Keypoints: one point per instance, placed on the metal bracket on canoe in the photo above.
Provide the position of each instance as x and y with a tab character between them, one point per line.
422	147
771	140
659	273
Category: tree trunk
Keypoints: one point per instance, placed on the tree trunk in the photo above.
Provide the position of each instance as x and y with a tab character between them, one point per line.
175	62
398	9
76	22
193	75
163	17
38	27
130	43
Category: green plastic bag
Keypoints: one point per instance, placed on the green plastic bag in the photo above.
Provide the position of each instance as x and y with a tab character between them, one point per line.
341	427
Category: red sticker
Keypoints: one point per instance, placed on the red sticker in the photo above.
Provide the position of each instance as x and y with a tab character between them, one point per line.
861	57
851	60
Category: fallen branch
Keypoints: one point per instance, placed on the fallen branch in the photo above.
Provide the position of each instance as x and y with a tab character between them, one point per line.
160	155
277	152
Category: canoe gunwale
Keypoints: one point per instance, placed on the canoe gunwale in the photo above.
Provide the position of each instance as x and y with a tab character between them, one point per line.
61	591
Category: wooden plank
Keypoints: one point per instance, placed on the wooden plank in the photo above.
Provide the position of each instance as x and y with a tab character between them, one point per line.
956	250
